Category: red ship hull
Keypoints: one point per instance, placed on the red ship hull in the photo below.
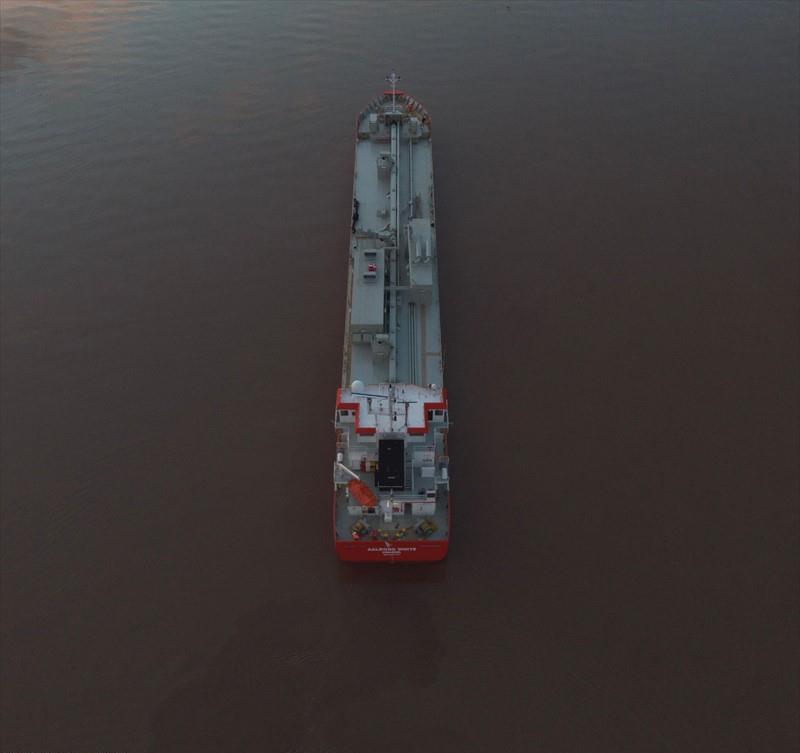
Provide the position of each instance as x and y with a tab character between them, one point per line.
380	551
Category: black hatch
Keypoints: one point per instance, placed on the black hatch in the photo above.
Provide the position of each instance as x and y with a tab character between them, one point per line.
391	464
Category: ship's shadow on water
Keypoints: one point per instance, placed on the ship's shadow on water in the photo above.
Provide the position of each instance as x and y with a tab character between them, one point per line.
283	683
378	573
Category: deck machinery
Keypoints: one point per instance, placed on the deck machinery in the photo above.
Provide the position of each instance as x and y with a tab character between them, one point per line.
390	473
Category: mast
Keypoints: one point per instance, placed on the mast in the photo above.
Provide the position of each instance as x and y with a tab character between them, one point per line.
393	78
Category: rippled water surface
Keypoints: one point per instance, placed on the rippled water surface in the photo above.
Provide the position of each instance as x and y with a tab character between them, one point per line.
617	190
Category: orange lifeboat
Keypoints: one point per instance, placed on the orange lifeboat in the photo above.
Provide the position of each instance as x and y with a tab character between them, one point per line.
361	493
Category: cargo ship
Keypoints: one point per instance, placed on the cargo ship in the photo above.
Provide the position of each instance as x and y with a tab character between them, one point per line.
391	469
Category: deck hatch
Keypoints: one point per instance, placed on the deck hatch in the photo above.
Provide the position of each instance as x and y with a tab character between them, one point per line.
391	464
367	305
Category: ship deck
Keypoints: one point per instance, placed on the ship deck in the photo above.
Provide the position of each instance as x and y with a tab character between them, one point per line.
417	328
374	521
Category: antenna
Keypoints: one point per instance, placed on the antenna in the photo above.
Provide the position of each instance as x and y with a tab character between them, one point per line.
393	78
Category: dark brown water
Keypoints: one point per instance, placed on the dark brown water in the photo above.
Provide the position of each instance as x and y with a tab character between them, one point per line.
617	190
